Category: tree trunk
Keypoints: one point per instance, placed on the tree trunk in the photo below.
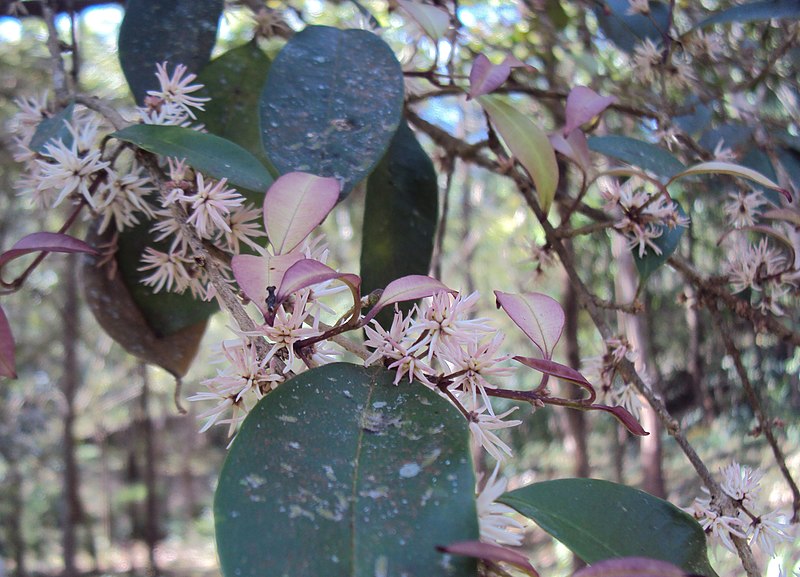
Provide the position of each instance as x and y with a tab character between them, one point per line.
634	327
71	511
151	524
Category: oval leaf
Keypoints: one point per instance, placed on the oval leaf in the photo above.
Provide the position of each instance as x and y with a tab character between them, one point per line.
234	82
295	205
559	371
307	272
627	30
363	476
255	274
766	10
153	31
53	128
539	316
45	242
211	155
7	361
485	77
638	153
401	212
583	104
407	288
579	513
668	243
433	20
332	102
716	167
624	417
528	143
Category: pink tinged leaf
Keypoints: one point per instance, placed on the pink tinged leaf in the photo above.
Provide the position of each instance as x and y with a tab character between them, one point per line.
45	242
490	552
295	205
308	272
624	417
717	167
7	361
631	567
583	104
560	371
573	147
528	143
407	288
485	77
784	214
539	316
433	20
255	274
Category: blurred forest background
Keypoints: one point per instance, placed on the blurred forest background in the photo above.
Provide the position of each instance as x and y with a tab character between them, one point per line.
100	474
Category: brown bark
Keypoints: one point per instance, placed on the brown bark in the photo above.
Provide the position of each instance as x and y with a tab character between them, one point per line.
71	512
151	524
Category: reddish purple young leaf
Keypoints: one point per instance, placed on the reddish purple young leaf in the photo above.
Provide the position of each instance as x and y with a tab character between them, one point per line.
485	77
539	316
7	361
583	104
624	417
490	552
307	272
407	288
295	205
560	371
573	147
631	567
45	242
255	273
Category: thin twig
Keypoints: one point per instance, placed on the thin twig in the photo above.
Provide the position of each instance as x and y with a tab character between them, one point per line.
54	47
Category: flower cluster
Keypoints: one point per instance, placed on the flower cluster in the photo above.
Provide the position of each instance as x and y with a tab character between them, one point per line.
172	104
603	370
742	484
644	216
764	270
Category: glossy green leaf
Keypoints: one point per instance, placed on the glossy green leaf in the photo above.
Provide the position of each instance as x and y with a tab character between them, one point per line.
528	143
53	128
154	31
211	155
600	520
667	242
339	472
754	11
234	82
400	215
627	30
638	153
332	102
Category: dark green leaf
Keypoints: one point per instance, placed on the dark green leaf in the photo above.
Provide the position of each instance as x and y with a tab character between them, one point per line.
165	312
754	11
733	135
600	520
234	82
667	242
400	215
53	128
211	155
340	473
790	161
760	162
627	30
638	153
332	103
154	31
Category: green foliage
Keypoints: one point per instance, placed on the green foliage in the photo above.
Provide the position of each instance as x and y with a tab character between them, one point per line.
667	243
627	30
339	472
53	128
209	154
179	32
638	153
766	10
332	102
400	215
600	520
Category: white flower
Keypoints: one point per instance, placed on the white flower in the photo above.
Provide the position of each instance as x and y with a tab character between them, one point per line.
212	202
768	530
446	318
176	89
493	518
169	270
741	483
646	57
483	426
288	328
743	209
243	228
66	169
